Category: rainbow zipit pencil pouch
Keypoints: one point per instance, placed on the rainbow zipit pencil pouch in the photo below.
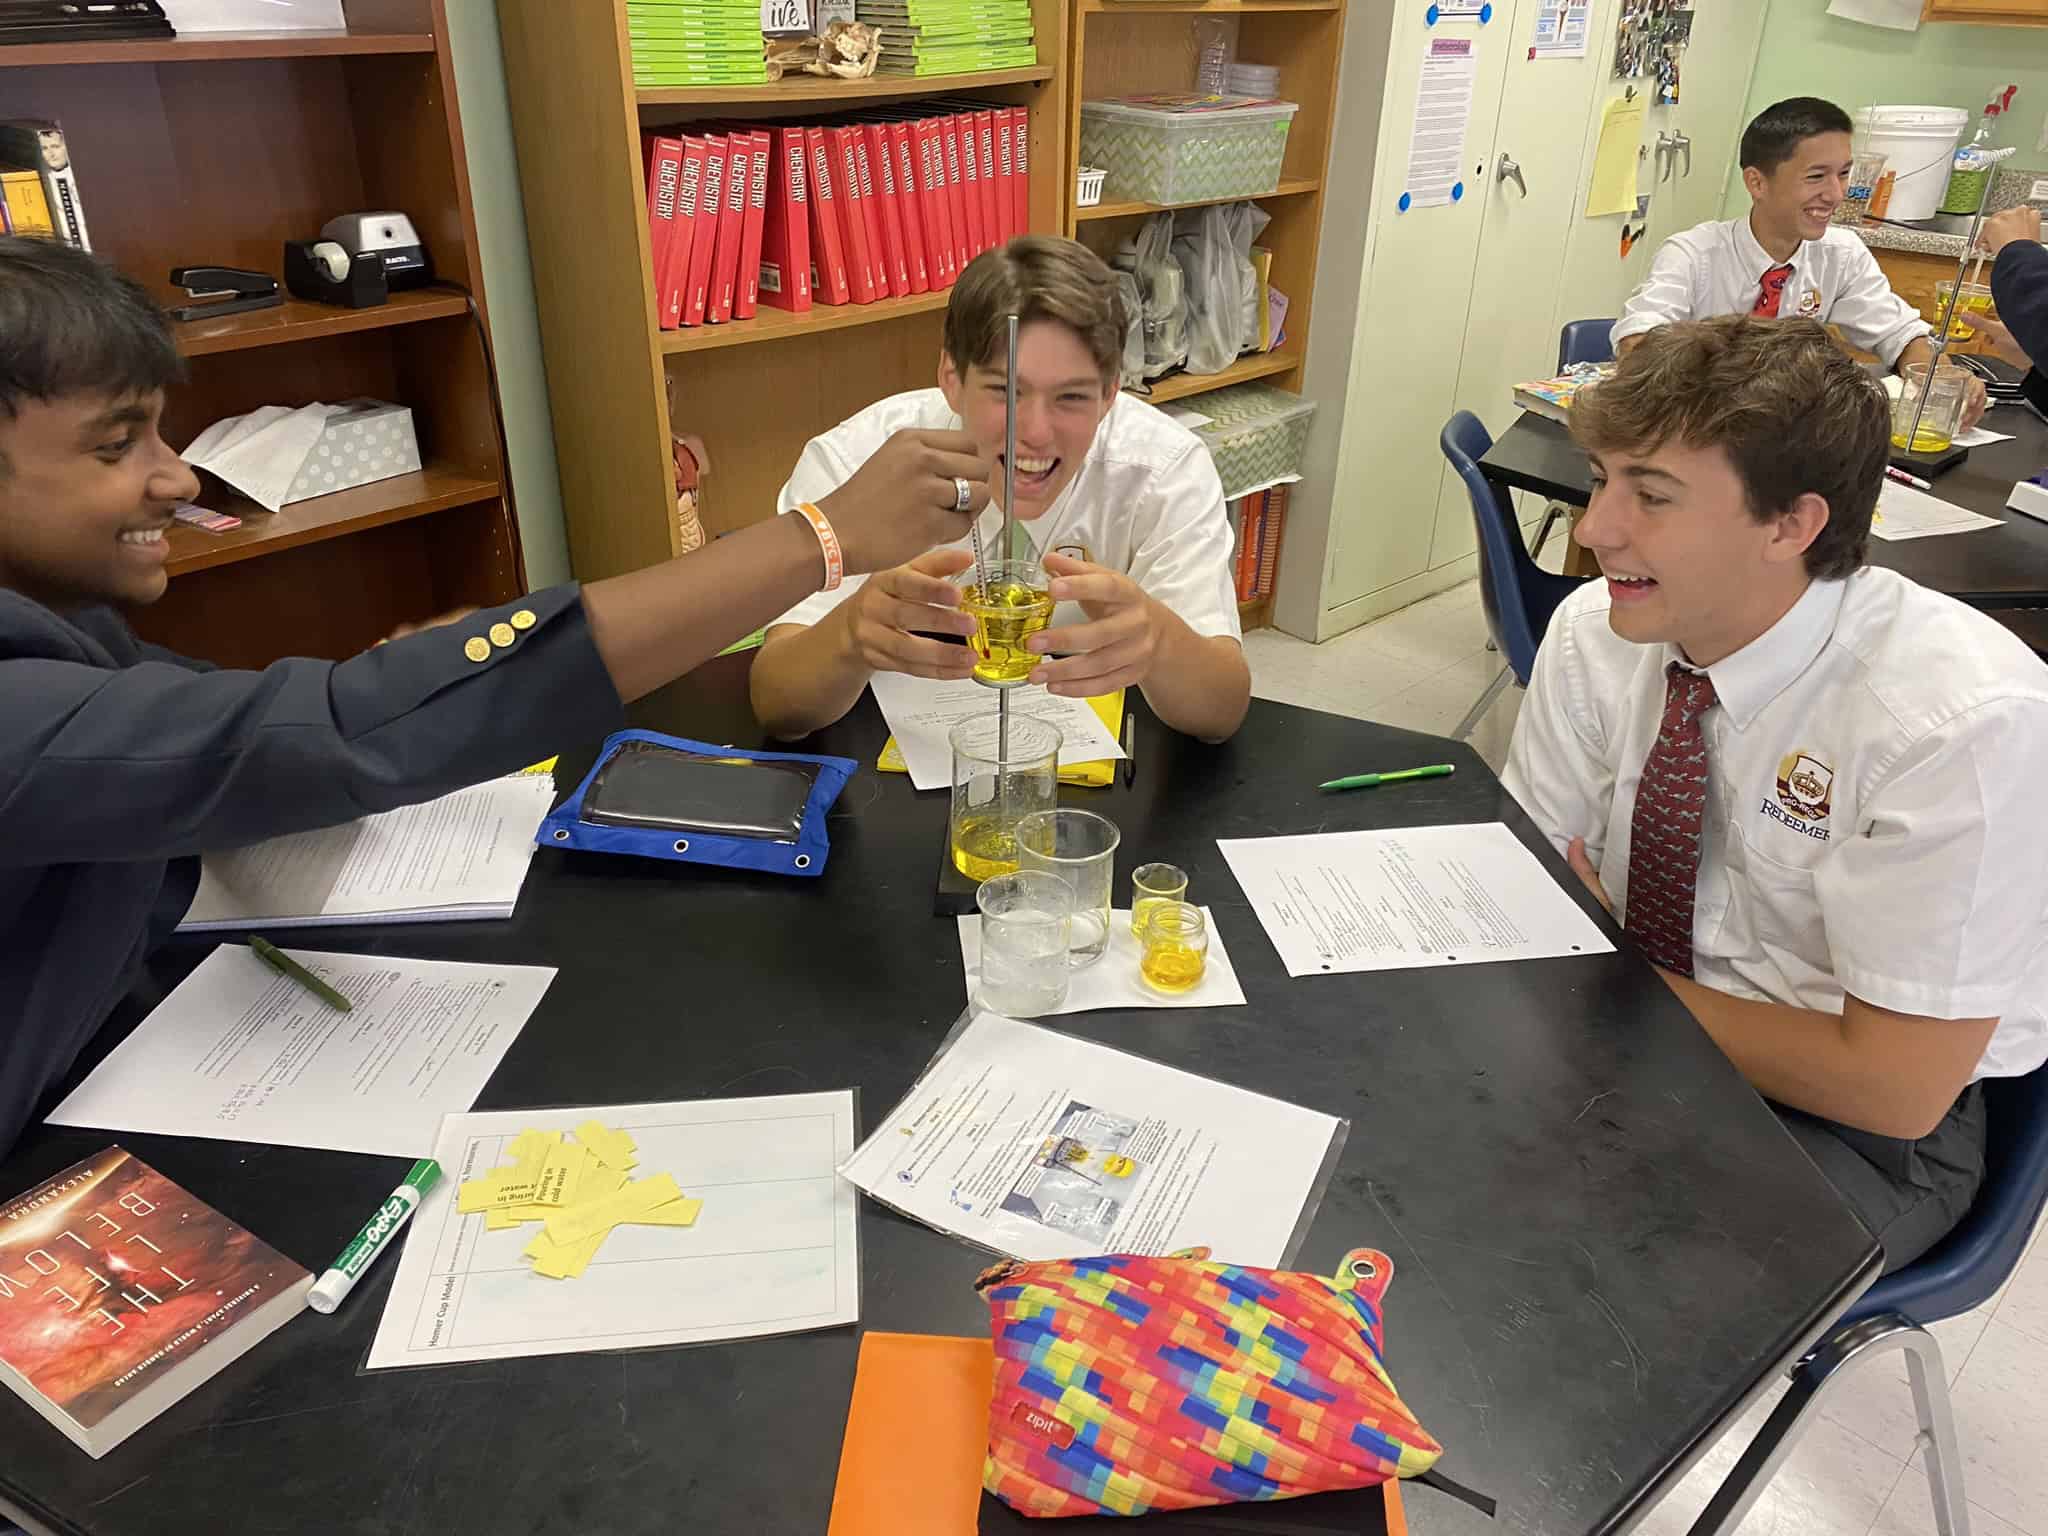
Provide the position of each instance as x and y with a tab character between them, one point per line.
1126	1385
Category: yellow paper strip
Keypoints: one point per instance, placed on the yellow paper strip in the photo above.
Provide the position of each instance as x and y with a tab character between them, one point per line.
563	1261
502	1218
598	1215
608	1145
560	1173
677	1213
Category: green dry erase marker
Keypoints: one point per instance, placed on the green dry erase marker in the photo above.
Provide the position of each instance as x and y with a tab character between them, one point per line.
375	1237
1368	780
285	965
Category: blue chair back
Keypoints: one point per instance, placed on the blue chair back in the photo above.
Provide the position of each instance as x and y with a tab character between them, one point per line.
1966	1267
1584	341
1518	596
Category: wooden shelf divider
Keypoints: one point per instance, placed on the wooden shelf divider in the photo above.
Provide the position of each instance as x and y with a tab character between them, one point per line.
809	92
433	488
1257	365
1290	186
203	47
297	320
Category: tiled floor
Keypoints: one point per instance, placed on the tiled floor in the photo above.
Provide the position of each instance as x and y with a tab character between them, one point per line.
1856	1473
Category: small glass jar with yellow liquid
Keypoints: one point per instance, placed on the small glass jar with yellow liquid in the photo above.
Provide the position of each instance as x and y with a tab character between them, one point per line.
1151	886
1176	940
1945	388
1975	299
993	789
1015	606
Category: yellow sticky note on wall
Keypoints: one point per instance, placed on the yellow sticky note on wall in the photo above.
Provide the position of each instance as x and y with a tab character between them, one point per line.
1615	160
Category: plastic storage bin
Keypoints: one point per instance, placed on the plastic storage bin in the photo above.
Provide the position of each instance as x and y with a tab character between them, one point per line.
1185	148
1919	144
1255	433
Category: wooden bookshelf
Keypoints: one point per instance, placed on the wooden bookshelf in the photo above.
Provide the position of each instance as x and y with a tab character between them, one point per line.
1129	47
217	148
755	390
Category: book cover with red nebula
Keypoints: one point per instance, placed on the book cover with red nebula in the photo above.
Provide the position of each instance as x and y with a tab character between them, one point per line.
120	1292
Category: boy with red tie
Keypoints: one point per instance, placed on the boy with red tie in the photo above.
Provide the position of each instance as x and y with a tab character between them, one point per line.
1809	789
1786	260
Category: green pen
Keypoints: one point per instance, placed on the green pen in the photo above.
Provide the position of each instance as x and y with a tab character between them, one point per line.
377	1232
285	965
1368	780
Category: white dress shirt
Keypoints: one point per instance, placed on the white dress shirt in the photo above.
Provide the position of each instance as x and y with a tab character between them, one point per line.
1718	269
1145	502
1875	820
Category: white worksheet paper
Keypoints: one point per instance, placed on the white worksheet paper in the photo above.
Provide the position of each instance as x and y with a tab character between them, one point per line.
1979	437
922	712
1041	1145
1112	981
240	1053
1906	513
1443	106
459	856
775	1249
1415	896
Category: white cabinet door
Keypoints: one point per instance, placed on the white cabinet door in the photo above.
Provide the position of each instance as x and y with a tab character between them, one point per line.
1511	334
1411	326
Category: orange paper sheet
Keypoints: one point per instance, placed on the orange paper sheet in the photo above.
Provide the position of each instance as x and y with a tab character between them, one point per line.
916	1435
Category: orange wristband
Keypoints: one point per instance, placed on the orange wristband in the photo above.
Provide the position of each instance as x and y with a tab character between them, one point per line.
828	541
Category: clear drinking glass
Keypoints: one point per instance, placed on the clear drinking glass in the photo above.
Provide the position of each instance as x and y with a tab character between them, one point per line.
1026	920
1152	884
1865	171
1176	939
1080	848
1016	606
1945	388
993	792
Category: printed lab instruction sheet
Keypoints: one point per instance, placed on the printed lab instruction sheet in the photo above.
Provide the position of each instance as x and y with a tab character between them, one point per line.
1042	1145
1386	901
240	1053
922	712
775	1248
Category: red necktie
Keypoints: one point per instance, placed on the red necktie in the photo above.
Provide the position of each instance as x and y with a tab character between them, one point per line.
1664	832
1772	290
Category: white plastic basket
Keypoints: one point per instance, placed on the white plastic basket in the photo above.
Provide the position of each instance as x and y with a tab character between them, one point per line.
1088	190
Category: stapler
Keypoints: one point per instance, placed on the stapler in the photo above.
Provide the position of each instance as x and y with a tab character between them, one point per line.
226	291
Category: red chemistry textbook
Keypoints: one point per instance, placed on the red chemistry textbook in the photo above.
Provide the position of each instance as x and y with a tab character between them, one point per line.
887	206
938	216
732	223
970	183
1020	127
828	249
120	1293
860	262
991	211
747	295
786	226
910	204
703	177
664	160
964	247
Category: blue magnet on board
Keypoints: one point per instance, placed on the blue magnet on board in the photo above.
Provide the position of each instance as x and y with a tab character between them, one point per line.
1457	190
1431	15
1403	203
1485	14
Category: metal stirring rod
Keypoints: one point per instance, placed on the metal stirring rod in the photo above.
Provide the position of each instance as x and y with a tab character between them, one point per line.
1009	515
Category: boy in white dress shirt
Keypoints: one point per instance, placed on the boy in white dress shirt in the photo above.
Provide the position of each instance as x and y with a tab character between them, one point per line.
1810	790
1785	259
1120	502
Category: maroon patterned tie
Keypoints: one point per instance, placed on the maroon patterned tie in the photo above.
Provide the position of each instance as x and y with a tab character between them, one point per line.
1664	832
1770	290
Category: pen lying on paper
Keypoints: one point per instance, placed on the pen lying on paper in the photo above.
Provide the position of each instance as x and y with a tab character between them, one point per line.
1368	780
1891	472
1130	745
286	966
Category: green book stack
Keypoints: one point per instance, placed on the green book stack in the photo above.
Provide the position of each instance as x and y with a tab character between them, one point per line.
951	37
696	42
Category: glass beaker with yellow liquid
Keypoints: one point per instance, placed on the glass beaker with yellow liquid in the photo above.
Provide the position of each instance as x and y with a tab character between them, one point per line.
1945	388
1014	607
1176	940
994	790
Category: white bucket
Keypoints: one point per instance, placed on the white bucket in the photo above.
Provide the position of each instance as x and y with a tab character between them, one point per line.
1919	146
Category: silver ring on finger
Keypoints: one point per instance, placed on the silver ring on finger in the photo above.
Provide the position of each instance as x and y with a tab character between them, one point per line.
963	494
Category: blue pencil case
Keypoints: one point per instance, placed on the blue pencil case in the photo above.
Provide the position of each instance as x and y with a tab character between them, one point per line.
663	797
